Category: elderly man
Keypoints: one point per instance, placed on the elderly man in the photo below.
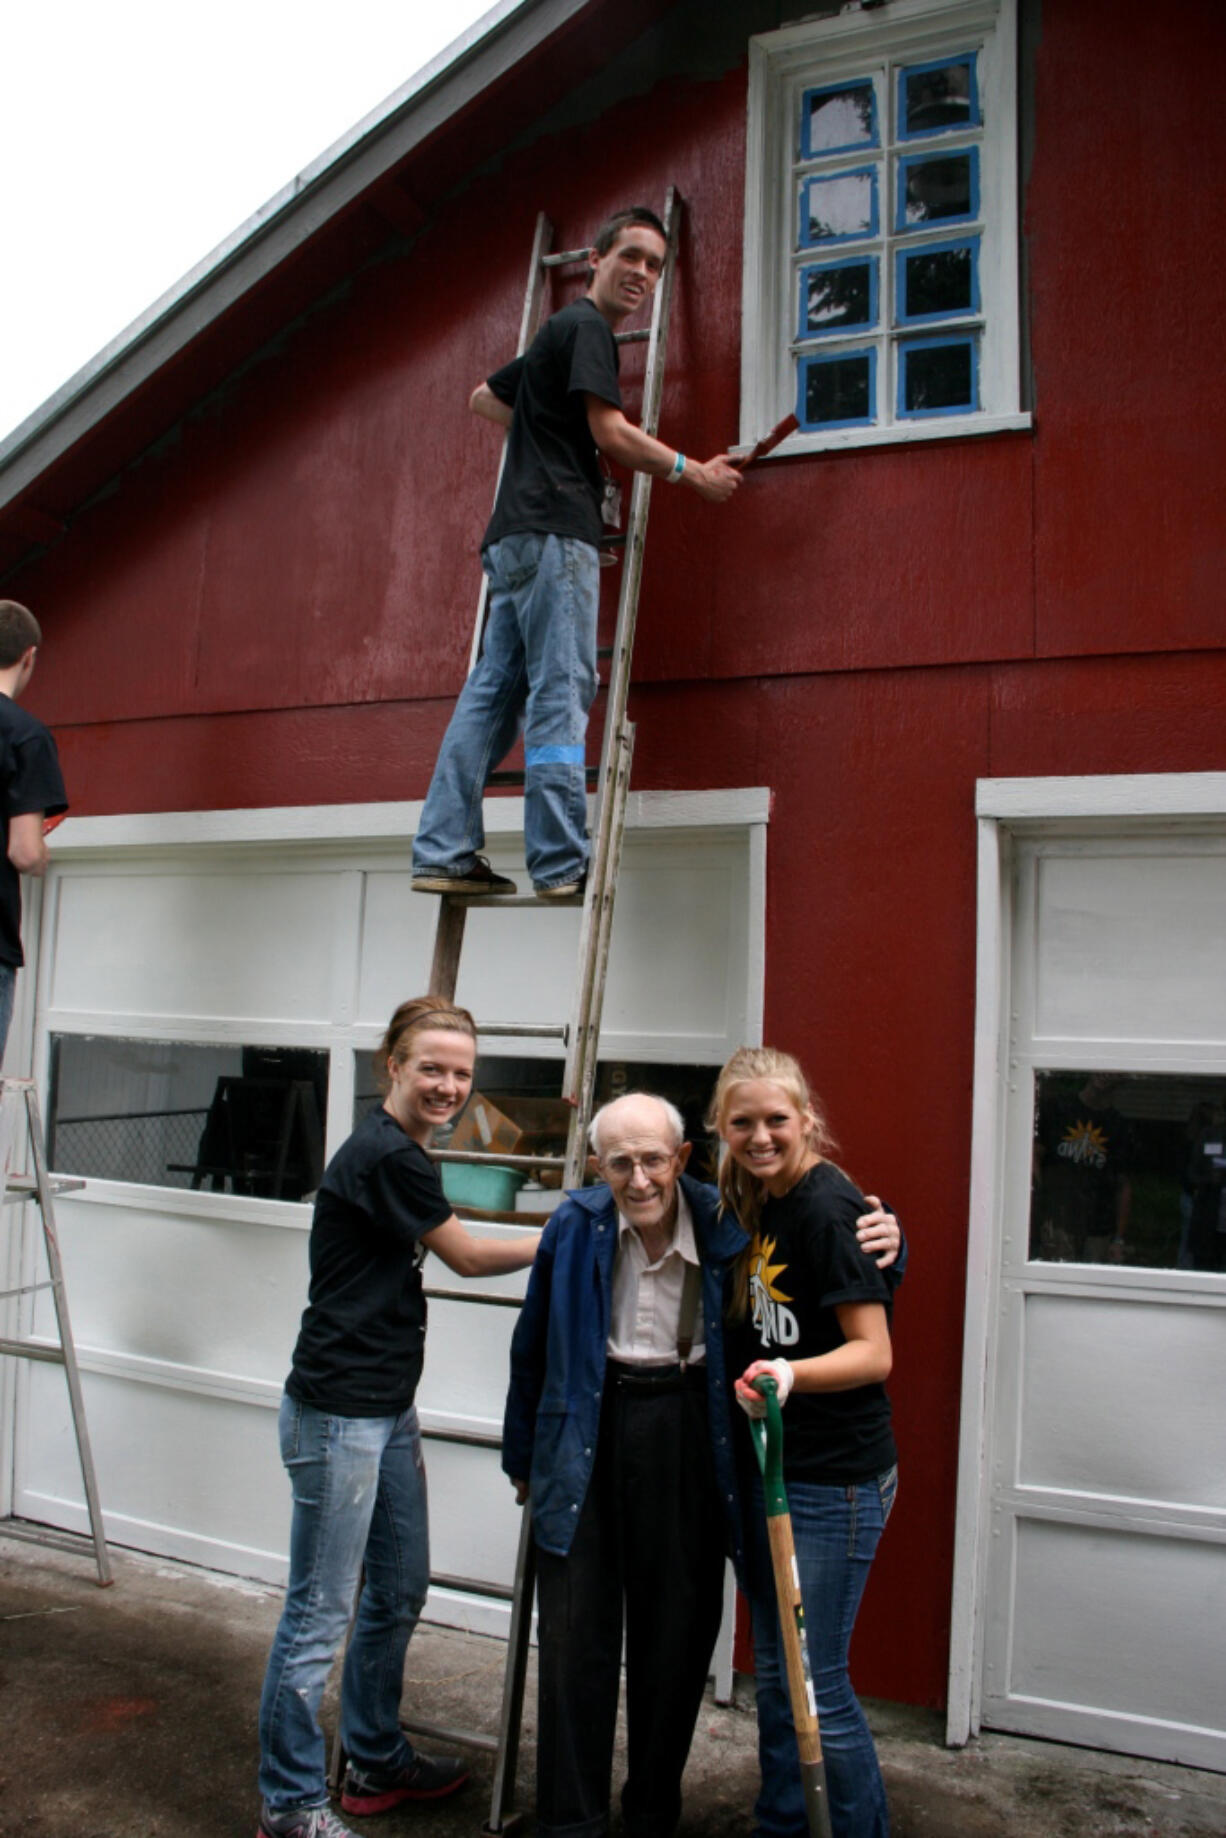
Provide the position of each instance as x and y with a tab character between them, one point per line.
617	1423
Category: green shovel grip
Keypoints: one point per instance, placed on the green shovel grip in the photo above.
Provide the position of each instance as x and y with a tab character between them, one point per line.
767	1433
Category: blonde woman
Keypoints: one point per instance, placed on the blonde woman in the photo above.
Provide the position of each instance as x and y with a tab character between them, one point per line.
809	1309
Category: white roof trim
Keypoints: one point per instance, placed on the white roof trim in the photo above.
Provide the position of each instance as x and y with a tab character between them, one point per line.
497	41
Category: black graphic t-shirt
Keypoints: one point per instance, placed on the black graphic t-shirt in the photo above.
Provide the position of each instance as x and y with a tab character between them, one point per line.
805	1260
552	483
362	1340
30	781
1086	1149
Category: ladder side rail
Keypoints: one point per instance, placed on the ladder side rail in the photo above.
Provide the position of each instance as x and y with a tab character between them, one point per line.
618	689
583	1056
529	319
67	1346
577	1077
510	1722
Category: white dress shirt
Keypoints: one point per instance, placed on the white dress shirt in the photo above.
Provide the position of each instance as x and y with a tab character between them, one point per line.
647	1297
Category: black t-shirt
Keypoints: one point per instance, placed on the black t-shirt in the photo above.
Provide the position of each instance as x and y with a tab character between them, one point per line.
805	1259
362	1339
552	482
30	779
1087	1149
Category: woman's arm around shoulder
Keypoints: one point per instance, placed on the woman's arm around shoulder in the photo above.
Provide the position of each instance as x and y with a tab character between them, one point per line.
467	1255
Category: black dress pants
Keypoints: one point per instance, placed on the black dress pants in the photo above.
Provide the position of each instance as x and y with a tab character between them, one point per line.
648	1554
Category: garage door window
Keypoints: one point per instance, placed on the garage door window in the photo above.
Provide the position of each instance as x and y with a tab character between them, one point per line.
1129	1168
229	1119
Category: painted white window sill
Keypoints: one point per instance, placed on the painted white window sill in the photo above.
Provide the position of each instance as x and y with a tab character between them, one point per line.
844	440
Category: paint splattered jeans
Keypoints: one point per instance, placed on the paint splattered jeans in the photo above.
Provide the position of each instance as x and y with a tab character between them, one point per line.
836	1530
538	670
359	1498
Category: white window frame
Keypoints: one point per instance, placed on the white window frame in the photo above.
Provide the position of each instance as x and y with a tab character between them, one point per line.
782	65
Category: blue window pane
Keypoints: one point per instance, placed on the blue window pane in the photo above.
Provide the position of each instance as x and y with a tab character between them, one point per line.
938	98
833	119
938	377
838	391
938	280
836	208
938	187
837	297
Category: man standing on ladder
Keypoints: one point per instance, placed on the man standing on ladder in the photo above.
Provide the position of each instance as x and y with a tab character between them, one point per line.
31	786
562	405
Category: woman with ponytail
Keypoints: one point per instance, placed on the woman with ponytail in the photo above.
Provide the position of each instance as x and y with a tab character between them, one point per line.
809	1310
350	1439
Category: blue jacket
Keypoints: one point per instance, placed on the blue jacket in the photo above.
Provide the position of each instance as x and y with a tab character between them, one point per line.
559	1349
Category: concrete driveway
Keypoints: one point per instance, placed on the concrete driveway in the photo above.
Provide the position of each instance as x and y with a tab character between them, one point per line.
130	1712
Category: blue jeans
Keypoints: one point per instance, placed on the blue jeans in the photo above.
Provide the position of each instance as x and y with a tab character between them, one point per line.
538	671
8	985
359	1498
836	1531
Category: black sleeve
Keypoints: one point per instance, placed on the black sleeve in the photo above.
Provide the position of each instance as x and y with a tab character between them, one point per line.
842	1270
505	382
36	783
593	362
406	1197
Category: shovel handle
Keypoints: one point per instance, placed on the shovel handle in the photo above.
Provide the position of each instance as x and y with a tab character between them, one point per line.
767	1433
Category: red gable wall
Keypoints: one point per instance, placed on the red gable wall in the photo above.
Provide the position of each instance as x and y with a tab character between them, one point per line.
275	606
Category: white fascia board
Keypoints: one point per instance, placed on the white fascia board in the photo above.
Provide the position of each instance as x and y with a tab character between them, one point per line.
495	43
389	822
1169	795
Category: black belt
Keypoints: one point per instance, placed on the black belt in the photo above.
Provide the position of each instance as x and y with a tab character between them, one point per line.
644	1380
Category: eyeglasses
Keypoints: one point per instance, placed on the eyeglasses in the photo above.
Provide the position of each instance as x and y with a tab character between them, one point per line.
653	1164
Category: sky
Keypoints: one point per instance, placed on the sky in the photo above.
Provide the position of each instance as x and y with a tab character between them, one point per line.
138	134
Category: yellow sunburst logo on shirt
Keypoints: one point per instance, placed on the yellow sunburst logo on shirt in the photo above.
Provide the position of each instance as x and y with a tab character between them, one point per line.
1084	1144
763	1272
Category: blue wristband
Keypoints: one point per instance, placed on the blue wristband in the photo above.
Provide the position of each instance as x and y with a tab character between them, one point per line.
674	477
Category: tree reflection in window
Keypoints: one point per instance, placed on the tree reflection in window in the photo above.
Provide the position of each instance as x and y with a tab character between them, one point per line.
840	117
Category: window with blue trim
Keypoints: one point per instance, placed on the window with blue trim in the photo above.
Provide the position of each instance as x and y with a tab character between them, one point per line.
881	196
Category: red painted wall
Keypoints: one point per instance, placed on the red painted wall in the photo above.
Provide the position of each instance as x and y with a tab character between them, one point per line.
274	606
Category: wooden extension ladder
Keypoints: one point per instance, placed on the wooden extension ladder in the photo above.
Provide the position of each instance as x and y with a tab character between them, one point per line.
581	1033
18	1102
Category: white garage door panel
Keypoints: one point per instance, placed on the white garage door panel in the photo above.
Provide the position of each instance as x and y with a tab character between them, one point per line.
235	944
474	1521
1126	1624
1109	926
697	991
677	986
467	1359
1098	1374
215	1296
397	941
199	1479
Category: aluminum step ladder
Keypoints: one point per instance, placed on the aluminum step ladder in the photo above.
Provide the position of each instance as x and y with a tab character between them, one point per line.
18	1107
581	1032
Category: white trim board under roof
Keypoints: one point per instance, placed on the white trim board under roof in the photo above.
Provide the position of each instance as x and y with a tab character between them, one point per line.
511	31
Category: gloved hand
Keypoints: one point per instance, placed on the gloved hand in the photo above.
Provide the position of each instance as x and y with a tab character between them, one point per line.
751	1401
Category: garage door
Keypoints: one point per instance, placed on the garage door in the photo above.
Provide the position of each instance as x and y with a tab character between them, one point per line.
1105	1574
209	992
